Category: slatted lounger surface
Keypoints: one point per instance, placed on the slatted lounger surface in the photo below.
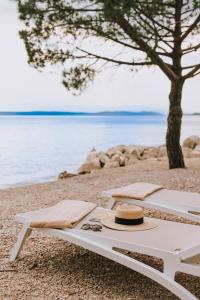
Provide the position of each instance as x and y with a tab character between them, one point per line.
182	204
166	241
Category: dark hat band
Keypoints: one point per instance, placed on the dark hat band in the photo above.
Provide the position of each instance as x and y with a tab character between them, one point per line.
129	221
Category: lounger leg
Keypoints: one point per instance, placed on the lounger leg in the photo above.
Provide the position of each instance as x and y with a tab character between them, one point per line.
111	203
104	248
169	269
24	233
162	278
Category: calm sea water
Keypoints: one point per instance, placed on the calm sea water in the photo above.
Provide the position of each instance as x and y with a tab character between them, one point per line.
35	149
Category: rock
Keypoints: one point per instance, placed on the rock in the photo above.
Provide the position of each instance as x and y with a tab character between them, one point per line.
151	152
121	148
92	155
65	174
136	151
123	161
103	158
197	148
191	142
91	163
116	157
108	165
88	166
116	150
112	153
112	164
115	164
120	156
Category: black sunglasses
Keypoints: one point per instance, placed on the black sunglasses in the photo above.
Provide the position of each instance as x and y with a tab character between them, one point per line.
93	227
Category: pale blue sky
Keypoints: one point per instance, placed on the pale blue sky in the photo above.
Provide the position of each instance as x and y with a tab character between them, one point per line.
24	88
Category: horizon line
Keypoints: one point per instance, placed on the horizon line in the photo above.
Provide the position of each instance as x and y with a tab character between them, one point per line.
82	112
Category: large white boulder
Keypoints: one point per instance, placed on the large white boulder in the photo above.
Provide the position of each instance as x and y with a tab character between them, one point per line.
103	158
89	165
151	152
191	142
135	151
116	150
112	164
123	161
92	155
116	157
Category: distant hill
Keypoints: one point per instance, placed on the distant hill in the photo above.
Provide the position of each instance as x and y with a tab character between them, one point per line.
192	114
65	113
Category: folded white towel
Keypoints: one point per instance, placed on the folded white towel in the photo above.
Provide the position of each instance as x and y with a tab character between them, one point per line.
62	215
138	190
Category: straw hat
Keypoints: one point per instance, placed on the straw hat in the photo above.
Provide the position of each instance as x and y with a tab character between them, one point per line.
128	218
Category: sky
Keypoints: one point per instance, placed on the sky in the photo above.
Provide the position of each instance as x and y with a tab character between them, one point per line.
24	88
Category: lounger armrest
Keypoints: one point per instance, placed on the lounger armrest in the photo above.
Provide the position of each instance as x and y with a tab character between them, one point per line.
21	218
189	252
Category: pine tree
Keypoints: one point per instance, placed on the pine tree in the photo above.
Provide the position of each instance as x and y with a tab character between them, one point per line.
163	33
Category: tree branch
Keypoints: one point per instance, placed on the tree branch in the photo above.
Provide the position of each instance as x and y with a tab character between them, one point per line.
188	67
191	28
191	49
133	34
192	72
119	62
152	19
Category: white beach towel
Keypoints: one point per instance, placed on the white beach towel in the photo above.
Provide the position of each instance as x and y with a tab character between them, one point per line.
62	215
138	190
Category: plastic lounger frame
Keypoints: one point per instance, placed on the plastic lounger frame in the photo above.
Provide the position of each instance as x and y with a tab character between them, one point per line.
177	261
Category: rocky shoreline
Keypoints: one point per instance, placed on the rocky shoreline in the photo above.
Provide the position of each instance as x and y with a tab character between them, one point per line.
122	155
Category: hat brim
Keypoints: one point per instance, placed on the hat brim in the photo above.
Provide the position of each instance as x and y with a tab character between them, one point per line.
108	220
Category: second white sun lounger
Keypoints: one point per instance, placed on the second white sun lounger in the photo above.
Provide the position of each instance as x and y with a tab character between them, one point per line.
183	204
178	251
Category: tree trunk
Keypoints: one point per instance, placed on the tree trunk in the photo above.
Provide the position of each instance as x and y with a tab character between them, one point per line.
174	151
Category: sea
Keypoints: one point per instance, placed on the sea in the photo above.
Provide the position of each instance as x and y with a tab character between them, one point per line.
37	148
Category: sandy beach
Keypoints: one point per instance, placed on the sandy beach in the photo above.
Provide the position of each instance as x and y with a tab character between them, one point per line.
53	269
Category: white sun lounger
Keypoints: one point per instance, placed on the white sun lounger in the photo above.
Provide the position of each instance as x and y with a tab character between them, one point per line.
183	204
178	251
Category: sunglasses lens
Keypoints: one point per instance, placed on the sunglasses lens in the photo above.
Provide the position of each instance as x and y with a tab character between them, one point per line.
96	227
85	226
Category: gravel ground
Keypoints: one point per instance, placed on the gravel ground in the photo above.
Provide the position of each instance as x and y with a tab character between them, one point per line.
53	269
